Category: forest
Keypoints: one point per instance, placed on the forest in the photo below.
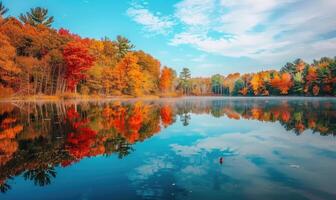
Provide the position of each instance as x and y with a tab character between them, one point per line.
37	59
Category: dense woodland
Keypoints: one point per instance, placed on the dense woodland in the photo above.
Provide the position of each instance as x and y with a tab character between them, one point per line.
36	59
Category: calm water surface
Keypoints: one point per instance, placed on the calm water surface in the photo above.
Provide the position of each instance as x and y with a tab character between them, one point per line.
195	148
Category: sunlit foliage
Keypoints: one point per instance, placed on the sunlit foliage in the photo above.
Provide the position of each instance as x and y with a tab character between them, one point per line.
37	59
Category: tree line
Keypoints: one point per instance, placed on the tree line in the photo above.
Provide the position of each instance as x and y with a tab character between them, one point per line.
38	59
296	78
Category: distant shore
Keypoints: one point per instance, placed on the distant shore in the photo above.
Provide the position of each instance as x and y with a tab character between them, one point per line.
46	98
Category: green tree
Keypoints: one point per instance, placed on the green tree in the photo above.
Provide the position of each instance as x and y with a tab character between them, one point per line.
185	119
289	68
3	10
40	176
238	86
123	46
185	74
37	16
216	83
184	79
332	67
322	61
298	83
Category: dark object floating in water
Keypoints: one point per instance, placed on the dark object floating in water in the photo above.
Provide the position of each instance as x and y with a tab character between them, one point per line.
221	160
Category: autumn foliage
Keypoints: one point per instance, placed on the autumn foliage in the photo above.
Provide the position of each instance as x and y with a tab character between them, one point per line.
36	59
77	60
282	82
166	113
166	79
53	62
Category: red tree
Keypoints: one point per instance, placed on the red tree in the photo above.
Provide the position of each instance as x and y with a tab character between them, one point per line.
68	35
166	113
81	137
77	59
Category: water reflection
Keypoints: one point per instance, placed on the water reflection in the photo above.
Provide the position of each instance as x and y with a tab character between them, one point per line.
37	138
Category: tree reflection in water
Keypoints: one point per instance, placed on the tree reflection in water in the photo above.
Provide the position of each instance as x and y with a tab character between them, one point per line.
4	187
40	176
36	138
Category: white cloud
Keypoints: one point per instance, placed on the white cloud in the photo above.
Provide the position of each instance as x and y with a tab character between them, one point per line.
243	15
151	22
269	31
151	167
185	150
209	144
294	33
194	12
239	144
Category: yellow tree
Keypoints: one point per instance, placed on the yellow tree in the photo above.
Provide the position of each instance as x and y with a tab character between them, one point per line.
256	83
282	82
230	80
166	79
150	68
8	69
129	79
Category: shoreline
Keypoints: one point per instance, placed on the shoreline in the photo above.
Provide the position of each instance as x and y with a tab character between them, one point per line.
45	98
150	97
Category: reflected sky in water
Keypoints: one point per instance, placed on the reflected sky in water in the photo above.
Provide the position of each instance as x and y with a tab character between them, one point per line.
194	148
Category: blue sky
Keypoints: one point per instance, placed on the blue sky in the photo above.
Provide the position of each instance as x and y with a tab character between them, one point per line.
208	36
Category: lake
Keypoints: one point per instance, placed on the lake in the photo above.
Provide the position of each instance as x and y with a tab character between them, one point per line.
186	148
